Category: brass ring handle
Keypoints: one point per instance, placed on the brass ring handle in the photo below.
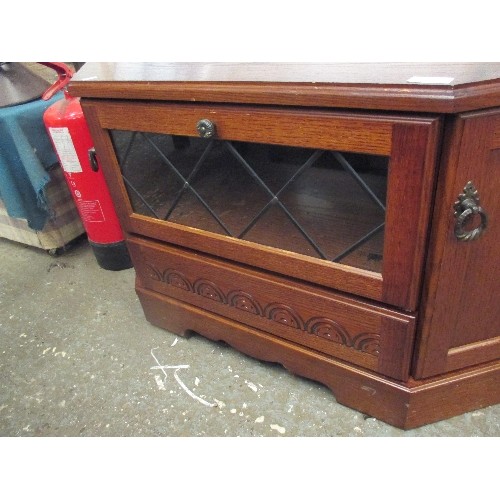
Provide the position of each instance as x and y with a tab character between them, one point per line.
464	235
467	206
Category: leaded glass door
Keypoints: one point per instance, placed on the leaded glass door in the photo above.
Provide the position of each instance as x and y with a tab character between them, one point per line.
314	195
324	204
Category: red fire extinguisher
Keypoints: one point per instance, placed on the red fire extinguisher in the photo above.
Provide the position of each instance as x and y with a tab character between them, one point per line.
69	133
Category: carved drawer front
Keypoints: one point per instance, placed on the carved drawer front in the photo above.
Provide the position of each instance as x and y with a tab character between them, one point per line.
370	336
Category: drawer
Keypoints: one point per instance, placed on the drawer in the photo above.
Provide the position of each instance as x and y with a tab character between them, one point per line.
370	336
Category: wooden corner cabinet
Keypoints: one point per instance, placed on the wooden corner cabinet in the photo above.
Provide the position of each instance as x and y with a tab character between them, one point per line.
340	219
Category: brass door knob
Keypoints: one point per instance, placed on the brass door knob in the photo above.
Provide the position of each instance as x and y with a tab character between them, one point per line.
206	128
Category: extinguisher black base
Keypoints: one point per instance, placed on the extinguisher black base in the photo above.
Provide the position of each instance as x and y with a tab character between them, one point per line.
111	256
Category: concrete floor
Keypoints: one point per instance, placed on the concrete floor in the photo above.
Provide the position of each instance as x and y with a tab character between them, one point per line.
77	358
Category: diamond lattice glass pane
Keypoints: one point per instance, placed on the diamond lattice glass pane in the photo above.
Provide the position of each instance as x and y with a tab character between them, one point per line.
275	229
150	185
334	208
368	255
229	190
191	212
324	204
275	165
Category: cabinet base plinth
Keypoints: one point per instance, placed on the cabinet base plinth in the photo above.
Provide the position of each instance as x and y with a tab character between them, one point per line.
403	405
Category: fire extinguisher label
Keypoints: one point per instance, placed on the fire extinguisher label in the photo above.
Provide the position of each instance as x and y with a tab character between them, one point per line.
65	149
91	211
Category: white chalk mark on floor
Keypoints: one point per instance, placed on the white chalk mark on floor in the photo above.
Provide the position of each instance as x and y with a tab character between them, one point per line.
251	386
176	368
160	383
278	428
174	342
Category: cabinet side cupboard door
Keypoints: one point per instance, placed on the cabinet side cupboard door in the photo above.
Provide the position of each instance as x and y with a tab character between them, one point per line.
461	325
339	199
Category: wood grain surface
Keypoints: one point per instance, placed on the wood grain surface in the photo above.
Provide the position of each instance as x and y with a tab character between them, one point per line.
375	337
341	85
330	322
461	315
411	142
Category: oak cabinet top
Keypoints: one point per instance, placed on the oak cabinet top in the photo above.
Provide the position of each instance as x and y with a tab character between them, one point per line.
420	87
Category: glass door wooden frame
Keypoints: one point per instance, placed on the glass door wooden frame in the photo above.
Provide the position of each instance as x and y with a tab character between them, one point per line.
410	143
